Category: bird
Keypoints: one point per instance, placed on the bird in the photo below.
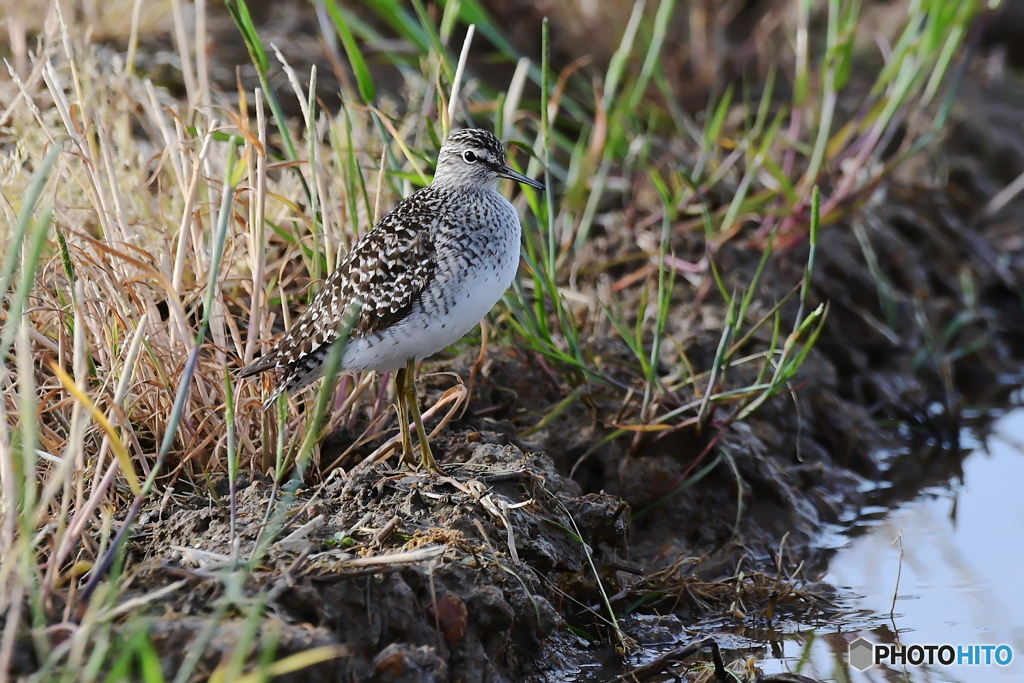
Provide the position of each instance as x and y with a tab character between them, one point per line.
421	279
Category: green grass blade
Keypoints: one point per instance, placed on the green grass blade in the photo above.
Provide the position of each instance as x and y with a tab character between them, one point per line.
364	79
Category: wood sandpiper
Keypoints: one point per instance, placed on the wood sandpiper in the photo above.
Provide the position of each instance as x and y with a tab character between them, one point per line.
422	278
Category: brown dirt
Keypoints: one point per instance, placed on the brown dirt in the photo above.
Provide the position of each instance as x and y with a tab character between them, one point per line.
461	576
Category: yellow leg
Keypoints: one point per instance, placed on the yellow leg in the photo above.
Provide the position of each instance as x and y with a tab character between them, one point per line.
426	457
403	416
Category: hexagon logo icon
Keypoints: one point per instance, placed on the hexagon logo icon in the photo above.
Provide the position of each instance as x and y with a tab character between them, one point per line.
862	654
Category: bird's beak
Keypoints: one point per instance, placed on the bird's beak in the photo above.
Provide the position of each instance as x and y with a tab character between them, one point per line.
506	172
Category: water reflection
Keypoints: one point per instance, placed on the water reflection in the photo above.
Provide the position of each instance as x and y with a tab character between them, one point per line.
961	578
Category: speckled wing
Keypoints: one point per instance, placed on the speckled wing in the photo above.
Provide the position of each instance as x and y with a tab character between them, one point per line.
378	283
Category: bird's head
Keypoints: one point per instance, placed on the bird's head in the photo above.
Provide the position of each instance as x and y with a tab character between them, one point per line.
473	157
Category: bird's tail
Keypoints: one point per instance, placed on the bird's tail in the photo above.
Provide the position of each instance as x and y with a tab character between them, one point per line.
267	361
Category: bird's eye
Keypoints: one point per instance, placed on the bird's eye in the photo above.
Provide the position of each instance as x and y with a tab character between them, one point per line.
469	156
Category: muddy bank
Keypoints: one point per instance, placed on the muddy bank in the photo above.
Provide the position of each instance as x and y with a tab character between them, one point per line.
469	575
487	572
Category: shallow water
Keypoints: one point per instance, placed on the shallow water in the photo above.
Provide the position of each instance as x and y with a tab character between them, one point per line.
952	557
959	580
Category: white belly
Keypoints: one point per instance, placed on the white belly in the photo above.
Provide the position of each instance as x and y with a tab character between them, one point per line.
450	308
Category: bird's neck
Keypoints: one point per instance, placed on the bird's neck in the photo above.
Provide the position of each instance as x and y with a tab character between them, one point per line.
444	184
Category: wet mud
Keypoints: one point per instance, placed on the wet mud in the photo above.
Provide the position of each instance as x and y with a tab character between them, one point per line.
469	574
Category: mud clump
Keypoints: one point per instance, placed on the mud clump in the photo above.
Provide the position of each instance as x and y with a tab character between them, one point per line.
462	575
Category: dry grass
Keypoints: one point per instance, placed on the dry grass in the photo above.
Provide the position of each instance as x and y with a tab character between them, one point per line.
170	280
136	195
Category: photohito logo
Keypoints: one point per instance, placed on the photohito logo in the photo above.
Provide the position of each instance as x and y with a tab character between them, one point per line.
864	653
